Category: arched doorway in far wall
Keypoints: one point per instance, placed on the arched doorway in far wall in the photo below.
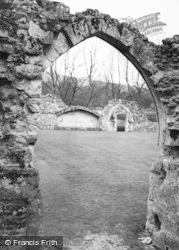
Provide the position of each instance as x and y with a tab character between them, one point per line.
118	118
121	122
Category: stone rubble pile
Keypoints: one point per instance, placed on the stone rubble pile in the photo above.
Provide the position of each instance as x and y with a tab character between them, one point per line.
167	54
147	126
137	112
49	106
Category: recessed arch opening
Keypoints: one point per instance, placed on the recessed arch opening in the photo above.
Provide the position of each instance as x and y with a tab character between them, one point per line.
77	118
123	49
145	74
120	119
21	69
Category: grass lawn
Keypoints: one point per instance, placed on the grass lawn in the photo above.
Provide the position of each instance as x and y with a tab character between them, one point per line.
95	183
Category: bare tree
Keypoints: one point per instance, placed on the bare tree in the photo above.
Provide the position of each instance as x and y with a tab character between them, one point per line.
91	90
135	84
66	85
113	86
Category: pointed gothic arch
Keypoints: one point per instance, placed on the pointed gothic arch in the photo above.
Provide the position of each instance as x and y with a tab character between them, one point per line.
127	120
32	36
121	36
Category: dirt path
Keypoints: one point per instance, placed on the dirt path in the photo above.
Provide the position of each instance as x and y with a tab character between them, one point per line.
95	187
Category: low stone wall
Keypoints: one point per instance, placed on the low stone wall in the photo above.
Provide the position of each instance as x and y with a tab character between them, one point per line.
76	128
146	127
77	118
48	121
51	104
137	112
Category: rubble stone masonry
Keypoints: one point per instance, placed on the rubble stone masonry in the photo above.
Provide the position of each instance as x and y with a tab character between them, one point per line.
31	38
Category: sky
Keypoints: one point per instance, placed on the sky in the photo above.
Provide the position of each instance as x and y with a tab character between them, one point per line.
106	55
108	62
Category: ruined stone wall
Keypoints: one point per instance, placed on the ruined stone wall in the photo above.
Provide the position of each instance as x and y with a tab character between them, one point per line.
20	90
52	109
147	126
78	118
31	38
163	206
138	117
48	107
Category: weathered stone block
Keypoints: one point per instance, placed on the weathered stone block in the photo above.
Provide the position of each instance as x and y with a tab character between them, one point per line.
35	31
127	37
48	39
6	93
59	46
33	105
36	60
7	48
172	137
32	47
3	71
163	204
3	33
112	31
20	201
28	71
31	87
77	31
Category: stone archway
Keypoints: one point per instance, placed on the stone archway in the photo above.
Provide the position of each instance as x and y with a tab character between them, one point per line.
109	121
32	37
131	115
124	38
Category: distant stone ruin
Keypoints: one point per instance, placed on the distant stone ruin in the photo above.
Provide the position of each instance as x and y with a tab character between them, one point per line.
77	118
122	115
118	115
32	37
